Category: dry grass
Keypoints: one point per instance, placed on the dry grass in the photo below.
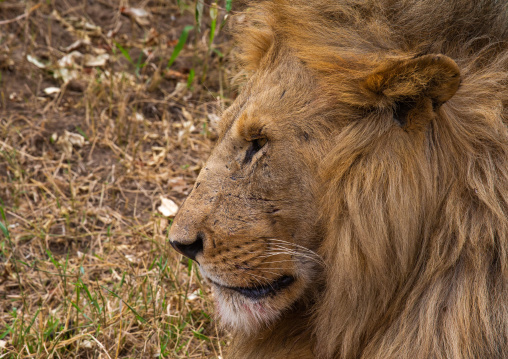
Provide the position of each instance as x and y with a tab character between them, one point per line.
85	267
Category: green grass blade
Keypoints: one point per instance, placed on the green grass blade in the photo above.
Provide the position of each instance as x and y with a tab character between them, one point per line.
2	212
140	318
181	43
5	231
200	4
124	52
27	330
4	334
190	79
213	15
52	259
200	335
212	30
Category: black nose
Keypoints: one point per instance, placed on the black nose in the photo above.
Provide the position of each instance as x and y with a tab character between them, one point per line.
190	250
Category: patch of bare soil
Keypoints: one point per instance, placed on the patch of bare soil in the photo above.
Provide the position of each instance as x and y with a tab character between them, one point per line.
96	132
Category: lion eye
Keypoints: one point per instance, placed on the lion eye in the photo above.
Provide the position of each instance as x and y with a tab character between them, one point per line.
258	143
255	146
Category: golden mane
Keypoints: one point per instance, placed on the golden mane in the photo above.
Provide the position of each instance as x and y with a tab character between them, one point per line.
416	223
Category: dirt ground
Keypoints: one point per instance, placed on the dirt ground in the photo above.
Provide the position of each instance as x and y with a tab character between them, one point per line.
100	141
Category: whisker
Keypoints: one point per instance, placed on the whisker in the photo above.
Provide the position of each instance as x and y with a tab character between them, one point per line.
305	249
281	261
296	246
297	251
283	250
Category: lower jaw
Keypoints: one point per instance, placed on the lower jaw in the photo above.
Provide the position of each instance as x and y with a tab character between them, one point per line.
269	290
240	314
261	292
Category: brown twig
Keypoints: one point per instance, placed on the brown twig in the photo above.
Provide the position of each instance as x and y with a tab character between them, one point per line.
20	17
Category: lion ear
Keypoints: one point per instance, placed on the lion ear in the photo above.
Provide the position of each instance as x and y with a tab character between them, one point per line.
405	84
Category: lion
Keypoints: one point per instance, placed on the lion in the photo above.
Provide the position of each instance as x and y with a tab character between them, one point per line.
356	202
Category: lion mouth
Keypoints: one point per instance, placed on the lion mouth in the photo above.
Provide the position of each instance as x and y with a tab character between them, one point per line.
263	291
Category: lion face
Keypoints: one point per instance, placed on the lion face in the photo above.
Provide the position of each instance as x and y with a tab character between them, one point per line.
358	138
250	221
254	220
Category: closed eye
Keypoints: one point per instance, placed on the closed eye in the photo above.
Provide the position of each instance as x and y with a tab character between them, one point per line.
255	145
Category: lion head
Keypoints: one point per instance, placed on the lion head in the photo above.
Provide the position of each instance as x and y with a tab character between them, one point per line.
356	203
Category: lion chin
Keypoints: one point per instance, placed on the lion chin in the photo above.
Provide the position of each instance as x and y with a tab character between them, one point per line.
252	309
235	311
356	202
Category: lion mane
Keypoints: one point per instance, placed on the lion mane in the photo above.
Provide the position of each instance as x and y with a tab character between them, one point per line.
413	194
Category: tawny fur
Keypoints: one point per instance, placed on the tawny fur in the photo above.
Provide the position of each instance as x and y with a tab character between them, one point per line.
407	173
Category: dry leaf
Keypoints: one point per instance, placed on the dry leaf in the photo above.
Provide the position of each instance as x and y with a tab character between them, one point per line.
68	140
193	296
35	62
157	157
67	68
141	16
152	37
179	185
168	208
69	60
188	128
51	90
15	97
172	75
86	344
75	139
95	61
139	117
76	45
131	258
100	213
179	91
90	27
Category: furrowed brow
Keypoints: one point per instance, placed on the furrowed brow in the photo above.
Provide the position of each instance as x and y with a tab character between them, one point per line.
250	128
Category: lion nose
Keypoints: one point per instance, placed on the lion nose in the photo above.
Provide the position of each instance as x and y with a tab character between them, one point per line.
190	250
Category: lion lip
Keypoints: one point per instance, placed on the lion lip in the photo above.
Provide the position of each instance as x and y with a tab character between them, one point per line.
260	292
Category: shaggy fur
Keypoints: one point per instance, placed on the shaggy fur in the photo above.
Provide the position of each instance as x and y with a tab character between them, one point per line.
386	153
